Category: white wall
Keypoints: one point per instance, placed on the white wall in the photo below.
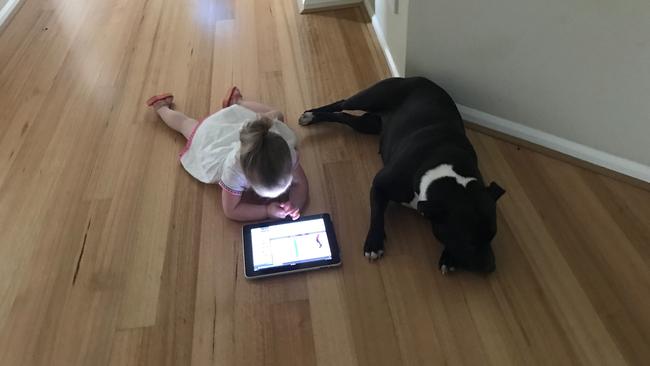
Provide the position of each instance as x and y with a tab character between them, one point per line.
390	20
576	69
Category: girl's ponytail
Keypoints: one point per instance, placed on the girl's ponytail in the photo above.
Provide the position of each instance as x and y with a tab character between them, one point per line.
253	134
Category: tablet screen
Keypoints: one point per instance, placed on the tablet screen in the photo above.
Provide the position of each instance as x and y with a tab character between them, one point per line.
290	243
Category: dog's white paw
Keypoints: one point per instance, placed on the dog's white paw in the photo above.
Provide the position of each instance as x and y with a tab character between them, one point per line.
446	269
306	118
374	255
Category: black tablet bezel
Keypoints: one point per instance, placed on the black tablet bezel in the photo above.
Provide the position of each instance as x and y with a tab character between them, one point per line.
248	249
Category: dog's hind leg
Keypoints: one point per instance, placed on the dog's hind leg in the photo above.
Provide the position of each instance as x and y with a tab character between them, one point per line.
380	96
383	95
332	107
367	123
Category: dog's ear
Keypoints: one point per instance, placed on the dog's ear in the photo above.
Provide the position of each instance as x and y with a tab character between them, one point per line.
495	191
432	209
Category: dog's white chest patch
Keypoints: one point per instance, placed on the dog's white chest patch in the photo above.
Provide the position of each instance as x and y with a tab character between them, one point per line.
441	171
414	202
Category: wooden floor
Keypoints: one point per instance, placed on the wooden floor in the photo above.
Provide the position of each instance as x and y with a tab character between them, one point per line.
110	254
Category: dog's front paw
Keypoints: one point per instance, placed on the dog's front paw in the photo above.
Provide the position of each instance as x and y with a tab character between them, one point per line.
306	118
373	249
446	263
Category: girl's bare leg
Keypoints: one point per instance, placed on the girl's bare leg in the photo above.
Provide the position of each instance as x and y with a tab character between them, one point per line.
262	109
256	107
175	120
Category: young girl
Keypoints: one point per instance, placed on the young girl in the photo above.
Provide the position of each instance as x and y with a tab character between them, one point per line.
244	145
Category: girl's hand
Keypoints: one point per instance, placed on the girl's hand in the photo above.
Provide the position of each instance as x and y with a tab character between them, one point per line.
291	210
274	210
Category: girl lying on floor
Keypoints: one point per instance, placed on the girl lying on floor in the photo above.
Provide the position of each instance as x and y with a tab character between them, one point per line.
245	145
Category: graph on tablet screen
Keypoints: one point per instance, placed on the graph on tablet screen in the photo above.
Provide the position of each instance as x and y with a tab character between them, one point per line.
290	243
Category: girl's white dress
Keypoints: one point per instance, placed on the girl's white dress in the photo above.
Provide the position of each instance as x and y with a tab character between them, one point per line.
211	154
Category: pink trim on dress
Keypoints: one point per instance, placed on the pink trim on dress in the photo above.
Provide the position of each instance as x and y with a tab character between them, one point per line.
228	189
189	140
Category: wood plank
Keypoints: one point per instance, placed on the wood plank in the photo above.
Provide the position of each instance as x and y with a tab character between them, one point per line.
370	316
111	254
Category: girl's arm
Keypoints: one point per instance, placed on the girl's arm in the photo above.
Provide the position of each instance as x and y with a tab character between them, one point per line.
236	210
299	191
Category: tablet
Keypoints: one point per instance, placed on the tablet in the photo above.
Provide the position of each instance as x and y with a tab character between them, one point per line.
286	246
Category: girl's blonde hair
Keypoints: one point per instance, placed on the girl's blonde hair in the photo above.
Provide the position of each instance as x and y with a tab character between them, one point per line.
264	155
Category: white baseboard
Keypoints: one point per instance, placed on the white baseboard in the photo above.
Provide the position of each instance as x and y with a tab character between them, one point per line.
369	8
382	40
6	10
564	146
325	5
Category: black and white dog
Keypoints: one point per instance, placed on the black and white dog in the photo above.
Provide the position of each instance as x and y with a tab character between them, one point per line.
429	165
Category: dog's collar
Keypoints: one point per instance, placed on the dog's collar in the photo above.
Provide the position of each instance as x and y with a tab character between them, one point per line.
441	171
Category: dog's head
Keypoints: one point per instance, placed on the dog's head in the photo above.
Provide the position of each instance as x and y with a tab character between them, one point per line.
464	221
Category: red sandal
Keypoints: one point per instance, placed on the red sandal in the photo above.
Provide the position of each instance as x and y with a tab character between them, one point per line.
156	98
227	101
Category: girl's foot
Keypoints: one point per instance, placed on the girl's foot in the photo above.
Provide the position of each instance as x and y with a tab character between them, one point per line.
233	96
159	101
